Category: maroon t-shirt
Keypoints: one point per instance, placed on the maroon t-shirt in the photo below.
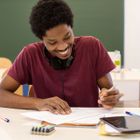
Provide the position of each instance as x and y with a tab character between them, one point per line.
77	84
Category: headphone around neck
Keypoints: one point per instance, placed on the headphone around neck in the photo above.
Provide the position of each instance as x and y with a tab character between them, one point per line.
58	63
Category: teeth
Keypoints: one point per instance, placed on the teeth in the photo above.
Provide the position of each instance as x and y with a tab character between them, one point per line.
63	52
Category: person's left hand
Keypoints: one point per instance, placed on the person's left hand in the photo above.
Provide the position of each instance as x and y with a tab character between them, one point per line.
108	98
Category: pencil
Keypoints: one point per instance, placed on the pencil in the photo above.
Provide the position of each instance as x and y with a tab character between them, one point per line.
4	119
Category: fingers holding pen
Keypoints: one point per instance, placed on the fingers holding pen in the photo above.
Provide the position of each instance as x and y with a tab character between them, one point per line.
107	92
109	97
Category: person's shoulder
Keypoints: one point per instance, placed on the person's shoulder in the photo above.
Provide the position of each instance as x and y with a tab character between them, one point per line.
86	40
33	47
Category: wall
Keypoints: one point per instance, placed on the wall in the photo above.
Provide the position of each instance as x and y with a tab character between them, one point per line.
132	34
14	27
101	18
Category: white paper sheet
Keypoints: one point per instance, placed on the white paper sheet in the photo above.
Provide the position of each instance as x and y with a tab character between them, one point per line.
78	115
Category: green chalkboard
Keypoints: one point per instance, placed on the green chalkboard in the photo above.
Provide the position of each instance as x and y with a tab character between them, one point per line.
100	18
14	26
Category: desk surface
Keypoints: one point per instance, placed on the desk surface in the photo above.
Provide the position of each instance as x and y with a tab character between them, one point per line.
134	103
125	74
19	129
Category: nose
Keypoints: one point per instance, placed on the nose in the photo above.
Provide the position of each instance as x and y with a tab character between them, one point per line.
62	45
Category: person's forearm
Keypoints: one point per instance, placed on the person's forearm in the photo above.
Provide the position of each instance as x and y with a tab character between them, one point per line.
9	99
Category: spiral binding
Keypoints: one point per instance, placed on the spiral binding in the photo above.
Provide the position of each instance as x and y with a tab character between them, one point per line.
42	130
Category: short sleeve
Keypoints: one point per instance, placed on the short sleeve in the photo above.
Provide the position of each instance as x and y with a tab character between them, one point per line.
104	63
20	68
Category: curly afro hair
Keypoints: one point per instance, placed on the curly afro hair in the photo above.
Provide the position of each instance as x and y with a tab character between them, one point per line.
47	14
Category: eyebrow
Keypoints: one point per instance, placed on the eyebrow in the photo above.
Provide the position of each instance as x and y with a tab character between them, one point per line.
51	40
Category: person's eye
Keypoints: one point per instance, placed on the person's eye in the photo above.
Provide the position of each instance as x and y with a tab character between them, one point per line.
68	37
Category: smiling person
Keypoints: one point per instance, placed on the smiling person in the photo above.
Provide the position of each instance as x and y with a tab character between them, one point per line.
65	71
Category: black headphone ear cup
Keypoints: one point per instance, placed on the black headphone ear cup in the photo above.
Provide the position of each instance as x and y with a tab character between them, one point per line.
59	64
55	63
69	61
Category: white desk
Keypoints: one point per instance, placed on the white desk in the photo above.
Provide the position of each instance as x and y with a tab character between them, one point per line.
19	129
128	82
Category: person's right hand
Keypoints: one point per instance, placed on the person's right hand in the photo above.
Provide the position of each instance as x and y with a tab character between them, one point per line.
54	105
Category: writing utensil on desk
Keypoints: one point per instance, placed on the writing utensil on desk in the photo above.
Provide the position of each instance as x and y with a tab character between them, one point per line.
130	113
5	119
72	125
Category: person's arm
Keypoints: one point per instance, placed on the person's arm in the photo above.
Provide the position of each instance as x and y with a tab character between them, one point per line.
8	99
109	96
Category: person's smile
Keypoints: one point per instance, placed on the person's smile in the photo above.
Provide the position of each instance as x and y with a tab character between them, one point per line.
65	52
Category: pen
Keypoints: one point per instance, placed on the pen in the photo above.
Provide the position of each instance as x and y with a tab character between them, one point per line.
5	119
132	114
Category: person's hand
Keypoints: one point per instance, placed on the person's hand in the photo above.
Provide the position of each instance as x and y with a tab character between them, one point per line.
54	105
108	98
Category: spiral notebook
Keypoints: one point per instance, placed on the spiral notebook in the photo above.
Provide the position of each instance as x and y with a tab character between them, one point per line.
42	130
